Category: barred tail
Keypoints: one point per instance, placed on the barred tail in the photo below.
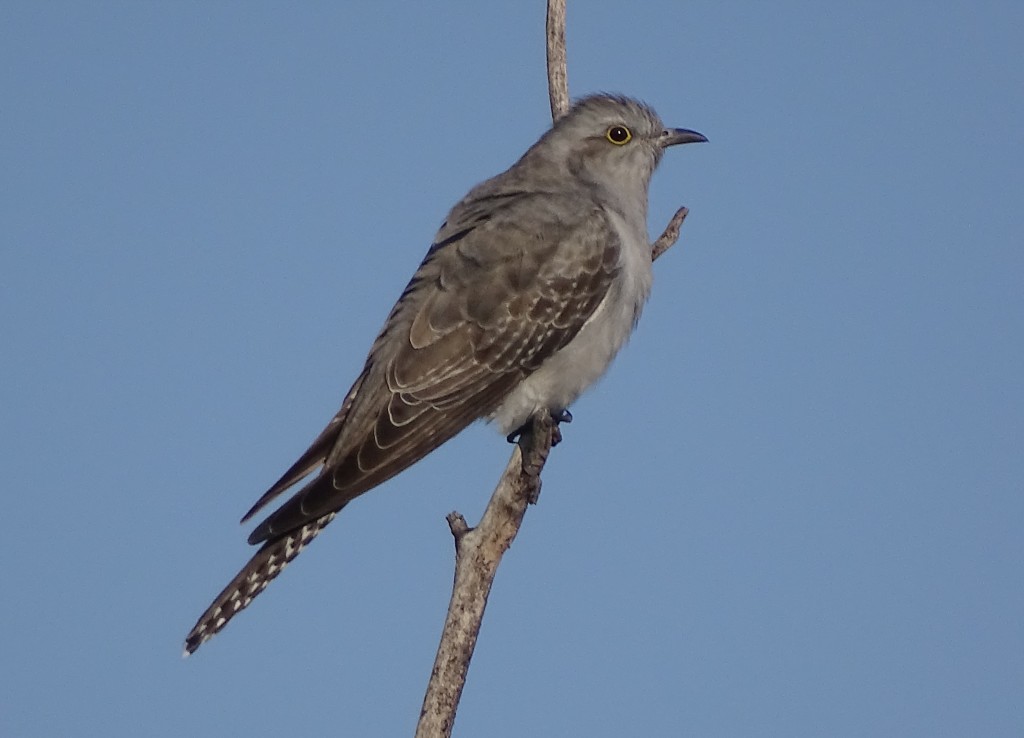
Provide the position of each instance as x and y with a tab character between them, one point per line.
266	564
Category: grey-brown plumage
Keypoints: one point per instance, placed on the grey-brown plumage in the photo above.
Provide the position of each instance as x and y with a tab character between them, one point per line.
531	286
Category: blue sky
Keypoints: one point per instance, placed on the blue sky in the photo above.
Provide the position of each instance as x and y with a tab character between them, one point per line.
794	507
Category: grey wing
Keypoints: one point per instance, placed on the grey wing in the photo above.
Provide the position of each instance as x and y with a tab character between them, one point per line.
491	301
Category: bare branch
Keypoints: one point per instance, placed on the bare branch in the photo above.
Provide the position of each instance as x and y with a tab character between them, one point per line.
478	552
558	75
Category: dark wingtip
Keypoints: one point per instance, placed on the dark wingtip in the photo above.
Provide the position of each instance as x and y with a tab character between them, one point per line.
287	480
256	508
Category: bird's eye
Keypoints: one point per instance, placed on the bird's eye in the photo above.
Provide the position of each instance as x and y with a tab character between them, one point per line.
618	135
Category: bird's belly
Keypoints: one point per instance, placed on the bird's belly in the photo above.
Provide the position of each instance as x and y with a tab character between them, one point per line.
562	378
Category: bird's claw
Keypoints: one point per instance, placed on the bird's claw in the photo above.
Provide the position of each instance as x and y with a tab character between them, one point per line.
561	416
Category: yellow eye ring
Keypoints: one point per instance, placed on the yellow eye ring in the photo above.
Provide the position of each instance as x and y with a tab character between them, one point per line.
618	135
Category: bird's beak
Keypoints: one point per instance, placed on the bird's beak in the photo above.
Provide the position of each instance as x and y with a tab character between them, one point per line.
673	136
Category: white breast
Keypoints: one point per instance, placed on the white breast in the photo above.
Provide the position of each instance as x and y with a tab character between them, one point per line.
563	377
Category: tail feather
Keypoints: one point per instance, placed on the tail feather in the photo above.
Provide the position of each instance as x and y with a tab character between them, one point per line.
266	564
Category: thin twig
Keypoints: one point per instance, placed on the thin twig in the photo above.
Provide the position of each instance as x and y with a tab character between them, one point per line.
558	75
670	235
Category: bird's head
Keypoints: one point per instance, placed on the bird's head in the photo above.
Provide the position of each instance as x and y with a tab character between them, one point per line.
612	141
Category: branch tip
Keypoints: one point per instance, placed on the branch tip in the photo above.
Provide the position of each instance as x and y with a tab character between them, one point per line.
457	525
671	234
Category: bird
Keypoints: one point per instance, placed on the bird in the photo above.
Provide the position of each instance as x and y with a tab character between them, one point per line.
532	285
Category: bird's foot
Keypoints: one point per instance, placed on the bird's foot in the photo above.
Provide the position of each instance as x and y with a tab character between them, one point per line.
535	456
558	416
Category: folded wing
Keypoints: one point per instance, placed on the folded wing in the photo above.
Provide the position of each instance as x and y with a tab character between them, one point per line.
489	304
